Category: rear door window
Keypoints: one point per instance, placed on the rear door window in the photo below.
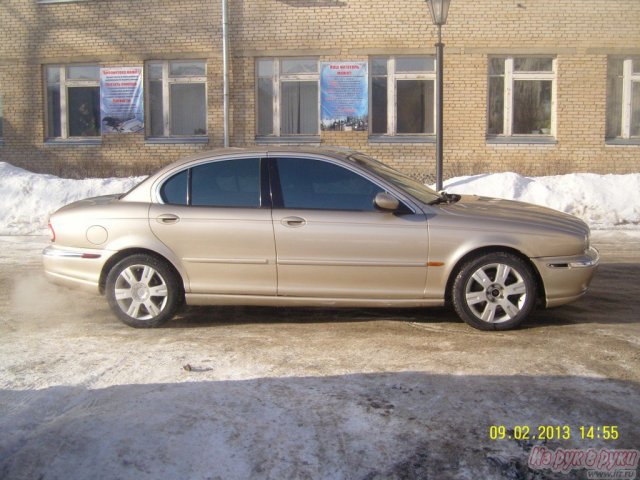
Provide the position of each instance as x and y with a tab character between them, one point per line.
228	183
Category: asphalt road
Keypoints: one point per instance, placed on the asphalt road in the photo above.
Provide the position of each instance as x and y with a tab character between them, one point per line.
309	393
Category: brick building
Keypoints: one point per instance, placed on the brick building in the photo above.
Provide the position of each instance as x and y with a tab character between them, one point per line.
533	86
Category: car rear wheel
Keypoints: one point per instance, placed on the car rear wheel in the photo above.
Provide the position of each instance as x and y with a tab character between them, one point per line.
496	291
143	291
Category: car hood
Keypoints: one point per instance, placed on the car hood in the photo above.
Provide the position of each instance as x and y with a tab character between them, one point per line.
513	214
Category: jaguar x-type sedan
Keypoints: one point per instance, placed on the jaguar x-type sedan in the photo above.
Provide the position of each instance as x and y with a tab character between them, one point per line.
294	227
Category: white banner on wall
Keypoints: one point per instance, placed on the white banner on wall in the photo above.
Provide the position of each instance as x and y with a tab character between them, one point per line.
121	99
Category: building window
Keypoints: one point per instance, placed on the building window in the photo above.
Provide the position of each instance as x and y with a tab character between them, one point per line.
402	95
521	96
73	101
176	98
287	93
623	98
61	1
1	118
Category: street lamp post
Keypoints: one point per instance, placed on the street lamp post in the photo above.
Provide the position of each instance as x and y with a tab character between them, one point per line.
439	10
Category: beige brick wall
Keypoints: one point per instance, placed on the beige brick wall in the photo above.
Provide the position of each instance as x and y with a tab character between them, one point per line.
109	33
117	32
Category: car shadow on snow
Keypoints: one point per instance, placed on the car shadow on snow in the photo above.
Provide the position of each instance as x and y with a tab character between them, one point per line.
193	317
404	425
611	299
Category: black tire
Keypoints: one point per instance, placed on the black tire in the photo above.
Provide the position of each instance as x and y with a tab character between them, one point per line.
149	291
496	291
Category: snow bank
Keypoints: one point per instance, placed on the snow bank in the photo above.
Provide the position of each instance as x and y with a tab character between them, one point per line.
603	201
27	199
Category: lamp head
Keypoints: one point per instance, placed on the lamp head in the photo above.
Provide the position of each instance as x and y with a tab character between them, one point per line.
439	10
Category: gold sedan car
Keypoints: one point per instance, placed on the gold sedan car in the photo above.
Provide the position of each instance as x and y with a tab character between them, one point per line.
294	227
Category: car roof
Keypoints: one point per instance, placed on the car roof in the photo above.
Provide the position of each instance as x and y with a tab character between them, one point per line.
142	191
267	150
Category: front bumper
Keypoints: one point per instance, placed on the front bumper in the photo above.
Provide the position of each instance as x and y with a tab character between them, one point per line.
566	279
75	267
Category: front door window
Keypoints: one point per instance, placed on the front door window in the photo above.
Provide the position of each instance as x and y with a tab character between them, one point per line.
317	185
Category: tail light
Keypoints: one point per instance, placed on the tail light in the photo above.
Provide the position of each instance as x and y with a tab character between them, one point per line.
52	232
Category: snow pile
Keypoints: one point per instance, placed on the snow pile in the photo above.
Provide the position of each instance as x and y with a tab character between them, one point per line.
27	199
603	201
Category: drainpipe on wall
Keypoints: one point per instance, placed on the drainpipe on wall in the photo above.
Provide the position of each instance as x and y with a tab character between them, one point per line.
225	71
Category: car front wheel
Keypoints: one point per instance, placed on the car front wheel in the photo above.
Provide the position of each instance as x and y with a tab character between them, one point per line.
143	291
496	291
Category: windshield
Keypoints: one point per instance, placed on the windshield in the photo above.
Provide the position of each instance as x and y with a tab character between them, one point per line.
412	187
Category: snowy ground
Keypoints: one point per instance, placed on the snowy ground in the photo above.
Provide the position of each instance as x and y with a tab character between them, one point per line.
306	393
280	393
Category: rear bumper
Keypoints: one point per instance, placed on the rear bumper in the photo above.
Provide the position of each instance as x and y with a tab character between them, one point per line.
567	278
74	267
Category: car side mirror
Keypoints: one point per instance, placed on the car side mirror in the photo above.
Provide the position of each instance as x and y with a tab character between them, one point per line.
386	202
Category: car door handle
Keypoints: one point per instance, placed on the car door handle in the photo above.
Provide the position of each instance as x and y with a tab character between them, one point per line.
293	221
167	218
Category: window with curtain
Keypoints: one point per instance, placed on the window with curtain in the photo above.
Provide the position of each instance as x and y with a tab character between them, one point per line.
521	96
402	95
176	98
287	96
1	118
623	98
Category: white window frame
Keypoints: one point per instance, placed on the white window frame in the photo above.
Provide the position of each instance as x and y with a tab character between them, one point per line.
1	119
278	78
65	84
61	1
628	79
167	81
392	97
510	75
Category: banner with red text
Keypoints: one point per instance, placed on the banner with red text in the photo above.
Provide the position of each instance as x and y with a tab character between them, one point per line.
121	99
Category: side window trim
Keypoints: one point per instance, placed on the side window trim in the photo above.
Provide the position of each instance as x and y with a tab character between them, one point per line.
266	191
189	170
274	183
